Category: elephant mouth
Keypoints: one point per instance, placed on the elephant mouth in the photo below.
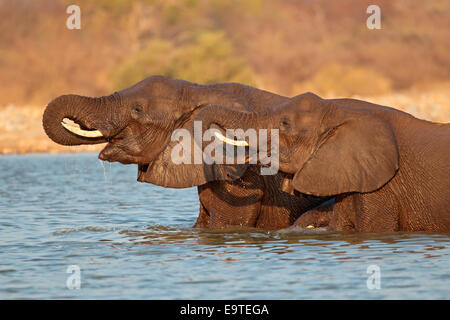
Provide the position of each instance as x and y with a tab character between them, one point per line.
142	170
122	148
111	152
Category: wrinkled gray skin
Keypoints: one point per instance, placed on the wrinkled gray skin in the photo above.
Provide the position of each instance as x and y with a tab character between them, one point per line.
388	170
138	123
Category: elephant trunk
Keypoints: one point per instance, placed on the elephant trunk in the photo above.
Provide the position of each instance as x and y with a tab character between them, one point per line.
88	114
233	119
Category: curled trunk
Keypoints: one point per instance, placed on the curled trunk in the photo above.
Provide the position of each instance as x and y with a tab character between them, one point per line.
82	110
260	149
225	117
232	119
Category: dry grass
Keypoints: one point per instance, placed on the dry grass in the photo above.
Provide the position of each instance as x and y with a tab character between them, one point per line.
21	127
288	47
277	45
431	105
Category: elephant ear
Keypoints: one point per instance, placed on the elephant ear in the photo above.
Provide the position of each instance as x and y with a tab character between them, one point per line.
166	172
357	152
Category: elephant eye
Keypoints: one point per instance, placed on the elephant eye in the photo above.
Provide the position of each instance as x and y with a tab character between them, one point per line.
284	123
137	108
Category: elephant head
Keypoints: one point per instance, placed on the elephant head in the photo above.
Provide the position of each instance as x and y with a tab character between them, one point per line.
329	147
137	124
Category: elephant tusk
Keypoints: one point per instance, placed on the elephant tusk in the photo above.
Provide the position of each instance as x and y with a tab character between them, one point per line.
310	226
74	128
239	143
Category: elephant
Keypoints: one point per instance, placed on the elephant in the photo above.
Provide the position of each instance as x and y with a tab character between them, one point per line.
387	170
138	123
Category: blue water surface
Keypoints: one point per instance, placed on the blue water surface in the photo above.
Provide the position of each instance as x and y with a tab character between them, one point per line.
134	241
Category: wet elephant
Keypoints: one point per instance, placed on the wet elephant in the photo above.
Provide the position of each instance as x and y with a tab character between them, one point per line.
138	123
387	170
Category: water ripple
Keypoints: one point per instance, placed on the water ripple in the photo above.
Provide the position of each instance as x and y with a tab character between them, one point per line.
133	240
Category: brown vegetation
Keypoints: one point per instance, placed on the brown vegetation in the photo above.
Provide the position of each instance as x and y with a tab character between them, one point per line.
283	46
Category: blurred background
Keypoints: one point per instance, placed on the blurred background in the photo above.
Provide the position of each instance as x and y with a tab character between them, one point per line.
287	47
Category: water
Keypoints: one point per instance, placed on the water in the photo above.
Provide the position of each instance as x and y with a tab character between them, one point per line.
135	241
